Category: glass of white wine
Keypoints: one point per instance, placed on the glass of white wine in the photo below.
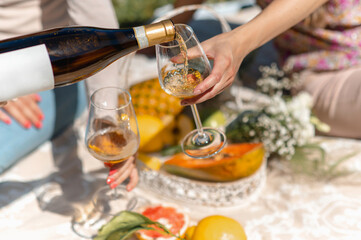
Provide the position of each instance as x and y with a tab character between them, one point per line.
182	65
112	136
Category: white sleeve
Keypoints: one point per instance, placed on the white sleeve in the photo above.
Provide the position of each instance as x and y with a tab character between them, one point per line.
97	13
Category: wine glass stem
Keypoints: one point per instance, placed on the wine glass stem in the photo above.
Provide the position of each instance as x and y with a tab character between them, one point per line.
197	119
115	192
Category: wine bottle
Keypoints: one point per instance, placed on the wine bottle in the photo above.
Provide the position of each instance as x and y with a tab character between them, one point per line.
62	56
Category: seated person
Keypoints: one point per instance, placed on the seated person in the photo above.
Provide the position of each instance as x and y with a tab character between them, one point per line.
319	39
31	120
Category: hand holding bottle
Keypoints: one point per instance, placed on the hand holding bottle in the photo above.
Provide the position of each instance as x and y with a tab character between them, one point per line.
62	56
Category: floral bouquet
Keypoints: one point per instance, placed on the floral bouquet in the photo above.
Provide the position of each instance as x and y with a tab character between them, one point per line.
272	116
283	122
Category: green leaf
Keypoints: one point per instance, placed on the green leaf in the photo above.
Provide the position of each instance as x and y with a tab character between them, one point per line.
126	223
122	235
171	150
123	222
310	159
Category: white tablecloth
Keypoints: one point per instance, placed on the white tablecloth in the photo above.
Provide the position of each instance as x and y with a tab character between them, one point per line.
290	206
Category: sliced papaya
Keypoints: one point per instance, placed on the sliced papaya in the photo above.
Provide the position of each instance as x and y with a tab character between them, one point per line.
235	161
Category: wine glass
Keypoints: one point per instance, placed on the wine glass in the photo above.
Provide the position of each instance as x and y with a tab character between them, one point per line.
112	137
182	65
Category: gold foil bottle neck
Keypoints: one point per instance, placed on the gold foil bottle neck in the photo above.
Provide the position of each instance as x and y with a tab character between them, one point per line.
160	32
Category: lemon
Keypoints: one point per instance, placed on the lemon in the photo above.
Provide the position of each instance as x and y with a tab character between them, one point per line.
150	132
189	232
152	162
184	125
217	227
168	136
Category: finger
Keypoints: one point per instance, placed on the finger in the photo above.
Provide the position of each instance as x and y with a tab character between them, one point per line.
36	97
25	111
192	53
221	65
5	118
134	178
3	103
115	168
17	114
32	110
210	93
36	108
118	169
108	165
122	176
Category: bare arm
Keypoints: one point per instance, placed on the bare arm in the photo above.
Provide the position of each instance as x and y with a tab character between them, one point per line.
279	16
229	49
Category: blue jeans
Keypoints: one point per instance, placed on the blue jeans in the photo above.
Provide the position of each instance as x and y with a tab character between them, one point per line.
60	106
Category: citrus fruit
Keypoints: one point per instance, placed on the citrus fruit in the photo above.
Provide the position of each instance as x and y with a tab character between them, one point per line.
152	162
184	125
215	120
150	132
217	227
189	232
174	219
167	134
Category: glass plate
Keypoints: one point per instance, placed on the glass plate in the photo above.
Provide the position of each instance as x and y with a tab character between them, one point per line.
211	194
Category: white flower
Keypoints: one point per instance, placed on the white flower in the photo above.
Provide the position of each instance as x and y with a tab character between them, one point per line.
283	123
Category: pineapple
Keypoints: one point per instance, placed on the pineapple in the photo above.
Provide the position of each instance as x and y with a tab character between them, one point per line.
149	98
150	101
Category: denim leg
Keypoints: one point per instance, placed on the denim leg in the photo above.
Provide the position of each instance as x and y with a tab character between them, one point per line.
60	107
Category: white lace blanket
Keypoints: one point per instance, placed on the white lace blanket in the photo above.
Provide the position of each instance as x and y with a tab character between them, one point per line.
290	206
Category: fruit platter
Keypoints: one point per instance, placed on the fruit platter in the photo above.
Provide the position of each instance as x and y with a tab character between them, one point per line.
230	177
169	222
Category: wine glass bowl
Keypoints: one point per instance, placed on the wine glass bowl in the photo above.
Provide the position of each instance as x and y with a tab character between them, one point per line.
112	136
182	66
179	74
112	130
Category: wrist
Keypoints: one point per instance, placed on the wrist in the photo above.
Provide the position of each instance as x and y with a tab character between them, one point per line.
247	40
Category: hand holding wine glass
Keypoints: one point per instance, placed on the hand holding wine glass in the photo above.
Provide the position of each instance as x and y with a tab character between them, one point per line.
179	75
112	137
119	172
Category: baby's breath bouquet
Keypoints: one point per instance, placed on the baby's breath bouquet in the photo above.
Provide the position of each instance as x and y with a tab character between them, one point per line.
281	121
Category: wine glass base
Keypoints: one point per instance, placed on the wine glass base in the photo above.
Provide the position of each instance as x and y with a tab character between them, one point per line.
106	204
113	201
203	146
89	226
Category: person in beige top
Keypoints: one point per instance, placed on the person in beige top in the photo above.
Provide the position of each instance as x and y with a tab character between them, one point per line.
28	121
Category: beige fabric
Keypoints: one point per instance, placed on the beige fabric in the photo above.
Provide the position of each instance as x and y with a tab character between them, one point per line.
337	99
19	17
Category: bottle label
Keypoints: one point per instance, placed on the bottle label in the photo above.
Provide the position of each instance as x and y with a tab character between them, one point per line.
25	71
141	37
